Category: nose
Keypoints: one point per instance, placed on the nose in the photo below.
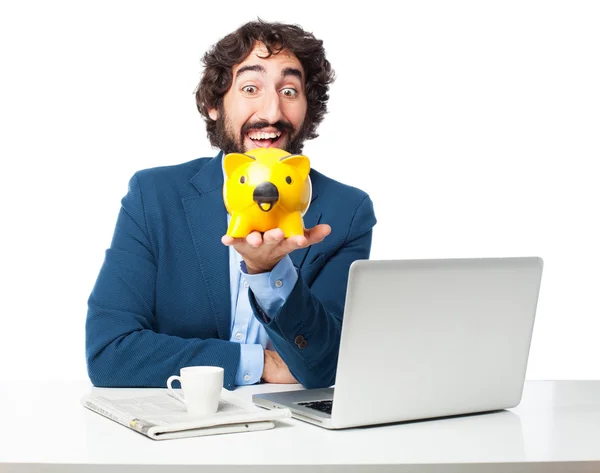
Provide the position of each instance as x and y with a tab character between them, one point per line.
270	108
265	195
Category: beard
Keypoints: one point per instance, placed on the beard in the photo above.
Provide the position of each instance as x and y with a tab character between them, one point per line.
227	140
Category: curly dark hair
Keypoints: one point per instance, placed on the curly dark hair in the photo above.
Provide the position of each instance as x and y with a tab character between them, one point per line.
234	48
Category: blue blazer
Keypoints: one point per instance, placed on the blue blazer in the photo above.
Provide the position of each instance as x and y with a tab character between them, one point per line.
162	298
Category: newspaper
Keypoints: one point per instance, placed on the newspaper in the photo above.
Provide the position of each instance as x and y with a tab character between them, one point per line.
161	416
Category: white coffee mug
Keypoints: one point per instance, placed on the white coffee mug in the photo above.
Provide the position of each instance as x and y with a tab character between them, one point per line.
201	386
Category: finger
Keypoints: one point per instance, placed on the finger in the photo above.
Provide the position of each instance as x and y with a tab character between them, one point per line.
273	237
292	243
310	237
254	239
235	242
297	241
227	240
317	234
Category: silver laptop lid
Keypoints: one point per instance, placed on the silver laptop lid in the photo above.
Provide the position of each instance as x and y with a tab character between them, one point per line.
457	338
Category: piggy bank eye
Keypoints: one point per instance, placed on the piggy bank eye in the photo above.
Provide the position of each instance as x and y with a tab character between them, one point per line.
288	180
242	179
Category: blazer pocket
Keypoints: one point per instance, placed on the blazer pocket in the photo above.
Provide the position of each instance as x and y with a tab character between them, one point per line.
310	270
315	261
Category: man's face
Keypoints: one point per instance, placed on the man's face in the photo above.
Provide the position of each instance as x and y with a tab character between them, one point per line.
265	106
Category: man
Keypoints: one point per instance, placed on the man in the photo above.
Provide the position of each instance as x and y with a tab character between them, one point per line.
175	291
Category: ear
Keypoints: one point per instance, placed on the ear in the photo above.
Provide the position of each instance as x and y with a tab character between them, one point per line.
213	113
232	161
301	163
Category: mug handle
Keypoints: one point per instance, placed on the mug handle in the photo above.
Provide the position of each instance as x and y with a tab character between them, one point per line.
170	388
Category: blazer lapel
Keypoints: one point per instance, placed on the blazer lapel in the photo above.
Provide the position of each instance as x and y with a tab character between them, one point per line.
207	219
311	218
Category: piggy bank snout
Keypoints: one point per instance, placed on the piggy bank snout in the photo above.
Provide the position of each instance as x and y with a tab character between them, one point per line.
265	195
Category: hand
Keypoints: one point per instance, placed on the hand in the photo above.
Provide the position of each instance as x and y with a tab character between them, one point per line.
262	252
275	370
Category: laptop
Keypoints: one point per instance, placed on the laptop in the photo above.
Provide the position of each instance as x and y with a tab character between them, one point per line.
424	339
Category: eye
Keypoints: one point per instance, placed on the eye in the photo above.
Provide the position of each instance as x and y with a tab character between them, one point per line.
250	89
288	180
242	179
289	92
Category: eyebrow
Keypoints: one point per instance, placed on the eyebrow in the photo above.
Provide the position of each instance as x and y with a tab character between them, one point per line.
255	68
292	71
288	71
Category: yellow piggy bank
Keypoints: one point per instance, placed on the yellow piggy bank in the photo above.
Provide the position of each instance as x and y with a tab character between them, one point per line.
266	188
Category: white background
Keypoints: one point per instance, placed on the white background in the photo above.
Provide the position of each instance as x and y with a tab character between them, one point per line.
474	126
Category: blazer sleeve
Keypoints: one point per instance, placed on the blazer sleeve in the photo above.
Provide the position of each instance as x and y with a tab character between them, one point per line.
122	347
306	330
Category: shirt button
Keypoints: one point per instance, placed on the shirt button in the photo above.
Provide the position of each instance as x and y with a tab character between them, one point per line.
278	283
238	336
246	285
247	378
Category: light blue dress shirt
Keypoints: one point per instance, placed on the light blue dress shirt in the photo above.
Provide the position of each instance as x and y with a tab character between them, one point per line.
271	290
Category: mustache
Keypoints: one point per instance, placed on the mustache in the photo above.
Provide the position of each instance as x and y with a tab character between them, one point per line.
280	125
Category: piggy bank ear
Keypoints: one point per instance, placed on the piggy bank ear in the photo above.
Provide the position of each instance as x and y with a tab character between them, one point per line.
301	163
232	161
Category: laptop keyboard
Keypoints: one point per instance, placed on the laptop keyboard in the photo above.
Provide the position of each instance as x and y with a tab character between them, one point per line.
323	406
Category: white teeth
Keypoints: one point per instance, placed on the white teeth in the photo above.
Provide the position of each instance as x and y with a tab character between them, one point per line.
264	136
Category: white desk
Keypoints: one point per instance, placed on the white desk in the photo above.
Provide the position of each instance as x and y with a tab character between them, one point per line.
556	428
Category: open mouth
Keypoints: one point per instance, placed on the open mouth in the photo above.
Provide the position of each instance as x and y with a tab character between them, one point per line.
263	139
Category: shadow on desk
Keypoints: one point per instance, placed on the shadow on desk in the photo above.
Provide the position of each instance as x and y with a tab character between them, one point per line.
493	434
435	419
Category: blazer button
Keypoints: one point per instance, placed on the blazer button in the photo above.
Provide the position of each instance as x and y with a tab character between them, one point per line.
300	341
